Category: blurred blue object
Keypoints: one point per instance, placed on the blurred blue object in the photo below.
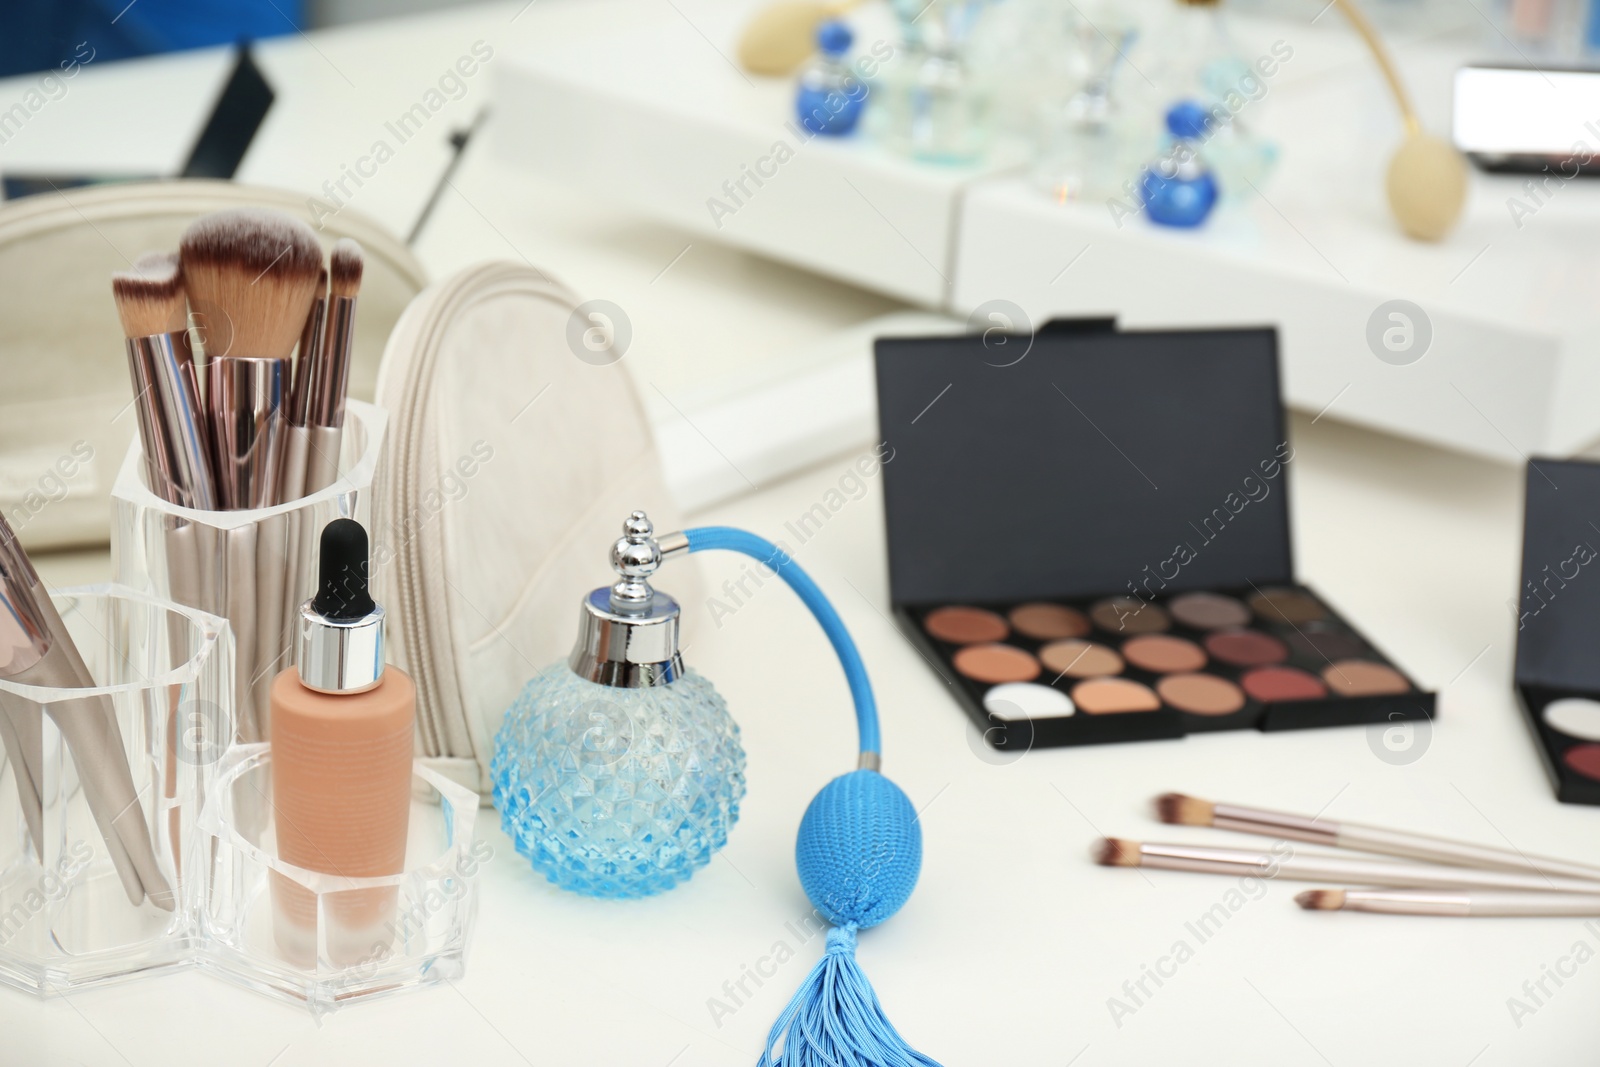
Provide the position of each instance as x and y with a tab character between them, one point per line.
42	34
829	95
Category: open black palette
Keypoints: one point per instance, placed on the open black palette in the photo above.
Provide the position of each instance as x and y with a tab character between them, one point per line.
1557	678
1090	543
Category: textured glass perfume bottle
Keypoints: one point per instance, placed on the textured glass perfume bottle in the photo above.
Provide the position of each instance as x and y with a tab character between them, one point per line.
619	773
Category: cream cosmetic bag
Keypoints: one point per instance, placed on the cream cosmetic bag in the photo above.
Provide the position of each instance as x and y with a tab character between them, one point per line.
511	463
65	416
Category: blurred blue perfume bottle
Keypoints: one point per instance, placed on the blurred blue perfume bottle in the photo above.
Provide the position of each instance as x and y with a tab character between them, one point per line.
619	773
830	95
1178	189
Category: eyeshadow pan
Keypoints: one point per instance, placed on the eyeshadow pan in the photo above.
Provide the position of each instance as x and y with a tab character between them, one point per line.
1080	659
1026	700
1201	694
1362	678
1583	759
1163	654
1048	622
1287	605
1129	615
1574	716
965	626
995	664
1325	646
1272	684
1246	648
1208	611
1110	696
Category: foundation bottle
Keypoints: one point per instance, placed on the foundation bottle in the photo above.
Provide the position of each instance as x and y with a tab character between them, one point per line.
342	736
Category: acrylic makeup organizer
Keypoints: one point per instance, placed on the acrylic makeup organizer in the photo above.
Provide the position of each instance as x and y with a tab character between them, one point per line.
163	674
222	561
225	918
365	936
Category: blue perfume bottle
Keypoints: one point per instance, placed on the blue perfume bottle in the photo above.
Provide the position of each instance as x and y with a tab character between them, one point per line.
830	95
619	773
1179	189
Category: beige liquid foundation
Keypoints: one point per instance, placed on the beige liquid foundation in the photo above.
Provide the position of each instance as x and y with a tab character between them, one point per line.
342	727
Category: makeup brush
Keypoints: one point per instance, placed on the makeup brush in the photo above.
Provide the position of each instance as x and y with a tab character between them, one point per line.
1298	867
331	378
1192	811
278	540
292	486
1477	903
251	276
175	439
150	302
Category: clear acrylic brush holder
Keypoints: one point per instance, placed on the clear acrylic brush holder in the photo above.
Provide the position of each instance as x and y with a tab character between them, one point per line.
160	712
253	568
320	939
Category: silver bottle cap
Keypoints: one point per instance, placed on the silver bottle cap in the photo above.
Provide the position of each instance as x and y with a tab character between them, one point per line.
340	655
628	632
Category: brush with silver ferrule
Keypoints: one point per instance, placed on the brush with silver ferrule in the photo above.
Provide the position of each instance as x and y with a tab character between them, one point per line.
331	382
251	277
1303	867
172	425
1475	903
283	541
40	652
1192	811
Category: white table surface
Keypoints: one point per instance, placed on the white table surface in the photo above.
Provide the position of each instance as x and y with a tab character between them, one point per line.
1014	942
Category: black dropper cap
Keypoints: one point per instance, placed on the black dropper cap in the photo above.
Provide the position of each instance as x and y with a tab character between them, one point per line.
342	589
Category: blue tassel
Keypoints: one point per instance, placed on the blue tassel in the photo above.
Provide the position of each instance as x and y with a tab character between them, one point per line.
835	1019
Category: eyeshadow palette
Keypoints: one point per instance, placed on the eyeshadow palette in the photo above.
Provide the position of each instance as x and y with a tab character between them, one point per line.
1092	543
1557	678
1125	669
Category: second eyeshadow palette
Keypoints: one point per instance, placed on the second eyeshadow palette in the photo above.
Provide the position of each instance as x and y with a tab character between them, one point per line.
1070	672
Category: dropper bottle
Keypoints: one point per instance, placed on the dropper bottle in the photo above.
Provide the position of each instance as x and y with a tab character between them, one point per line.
342	735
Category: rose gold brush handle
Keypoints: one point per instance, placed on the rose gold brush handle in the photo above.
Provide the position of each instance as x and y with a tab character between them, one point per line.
1477	903
1392	842
1344	871
245	402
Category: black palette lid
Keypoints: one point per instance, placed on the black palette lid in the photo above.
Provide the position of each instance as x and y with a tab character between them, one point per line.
1558	629
1096	462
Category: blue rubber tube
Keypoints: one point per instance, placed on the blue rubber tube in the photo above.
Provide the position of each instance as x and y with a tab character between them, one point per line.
775	558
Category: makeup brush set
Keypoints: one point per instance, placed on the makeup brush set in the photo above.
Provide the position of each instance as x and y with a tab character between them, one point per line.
1425	876
258	428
